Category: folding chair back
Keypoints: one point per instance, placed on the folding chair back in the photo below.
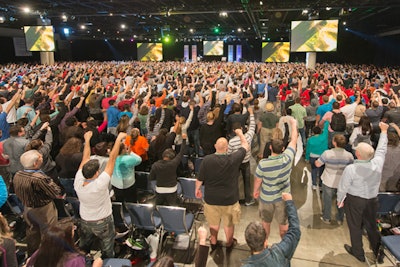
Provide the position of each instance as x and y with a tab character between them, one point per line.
175	219
142	216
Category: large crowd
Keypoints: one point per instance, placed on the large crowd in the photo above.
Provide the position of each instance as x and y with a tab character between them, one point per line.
82	129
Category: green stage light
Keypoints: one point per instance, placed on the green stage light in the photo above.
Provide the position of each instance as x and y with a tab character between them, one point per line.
216	30
167	39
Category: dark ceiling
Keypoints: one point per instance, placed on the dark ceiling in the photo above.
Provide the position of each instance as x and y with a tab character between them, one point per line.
198	19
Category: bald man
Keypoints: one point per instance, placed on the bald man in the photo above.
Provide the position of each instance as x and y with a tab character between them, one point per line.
219	174
358	193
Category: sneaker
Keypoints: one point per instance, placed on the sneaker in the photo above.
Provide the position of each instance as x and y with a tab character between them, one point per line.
325	220
130	242
251	202
314	187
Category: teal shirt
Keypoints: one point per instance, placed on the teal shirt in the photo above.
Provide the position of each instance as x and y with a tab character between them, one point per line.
124	171
317	144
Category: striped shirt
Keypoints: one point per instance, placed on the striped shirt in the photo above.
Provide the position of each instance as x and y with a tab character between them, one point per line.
34	188
235	143
335	160
275	174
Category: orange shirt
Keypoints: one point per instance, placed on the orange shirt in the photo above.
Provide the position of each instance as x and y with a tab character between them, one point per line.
140	147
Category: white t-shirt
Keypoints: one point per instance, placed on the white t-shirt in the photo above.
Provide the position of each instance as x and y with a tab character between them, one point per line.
12	114
349	111
94	197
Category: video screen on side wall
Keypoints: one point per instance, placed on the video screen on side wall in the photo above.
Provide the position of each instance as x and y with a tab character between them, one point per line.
213	48
39	38
275	51
150	51
314	36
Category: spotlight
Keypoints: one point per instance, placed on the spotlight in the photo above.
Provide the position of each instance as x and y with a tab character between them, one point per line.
83	27
26	10
346	29
344	23
239	29
2	19
106	40
223	14
111	14
123	26
191	30
261	3
304	12
64	18
66	31
122	39
328	8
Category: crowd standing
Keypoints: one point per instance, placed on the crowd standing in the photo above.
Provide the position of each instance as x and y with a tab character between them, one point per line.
84	128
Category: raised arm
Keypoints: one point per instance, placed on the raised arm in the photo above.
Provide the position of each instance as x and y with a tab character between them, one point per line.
114	153
86	149
294	135
291	239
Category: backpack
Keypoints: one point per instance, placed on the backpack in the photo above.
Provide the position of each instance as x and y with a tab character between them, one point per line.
338	122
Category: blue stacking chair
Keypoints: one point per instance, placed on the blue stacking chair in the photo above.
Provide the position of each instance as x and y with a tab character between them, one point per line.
114	262
143	217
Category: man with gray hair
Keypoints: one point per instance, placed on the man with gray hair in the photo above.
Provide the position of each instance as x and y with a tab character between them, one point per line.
36	191
357	192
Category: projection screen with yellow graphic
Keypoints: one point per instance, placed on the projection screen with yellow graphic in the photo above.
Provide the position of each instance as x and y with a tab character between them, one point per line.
314	36
39	38
150	51
213	48
275	51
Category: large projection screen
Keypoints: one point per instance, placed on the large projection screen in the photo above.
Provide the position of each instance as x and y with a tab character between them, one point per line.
314	36
39	38
213	48
150	51
275	51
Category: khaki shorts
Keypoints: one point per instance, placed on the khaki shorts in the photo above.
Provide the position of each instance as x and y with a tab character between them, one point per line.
230	215
268	210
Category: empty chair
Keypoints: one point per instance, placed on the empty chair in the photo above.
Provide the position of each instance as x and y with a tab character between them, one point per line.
175	219
387	204
189	188
142	181
392	244
143	217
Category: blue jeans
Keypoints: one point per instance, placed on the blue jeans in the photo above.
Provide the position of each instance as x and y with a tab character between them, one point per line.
194	140
104	230
328	194
316	171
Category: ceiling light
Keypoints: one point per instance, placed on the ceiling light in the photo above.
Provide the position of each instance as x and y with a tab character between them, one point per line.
98	30
239	29
304	12
26	10
261	3
111	14
223	14
191	30
328	8
83	27
123	26
344	23
64	18
122	39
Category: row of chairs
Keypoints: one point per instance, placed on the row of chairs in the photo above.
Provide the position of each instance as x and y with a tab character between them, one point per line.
389	206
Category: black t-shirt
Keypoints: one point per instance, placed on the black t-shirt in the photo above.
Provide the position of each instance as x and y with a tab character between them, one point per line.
219	174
